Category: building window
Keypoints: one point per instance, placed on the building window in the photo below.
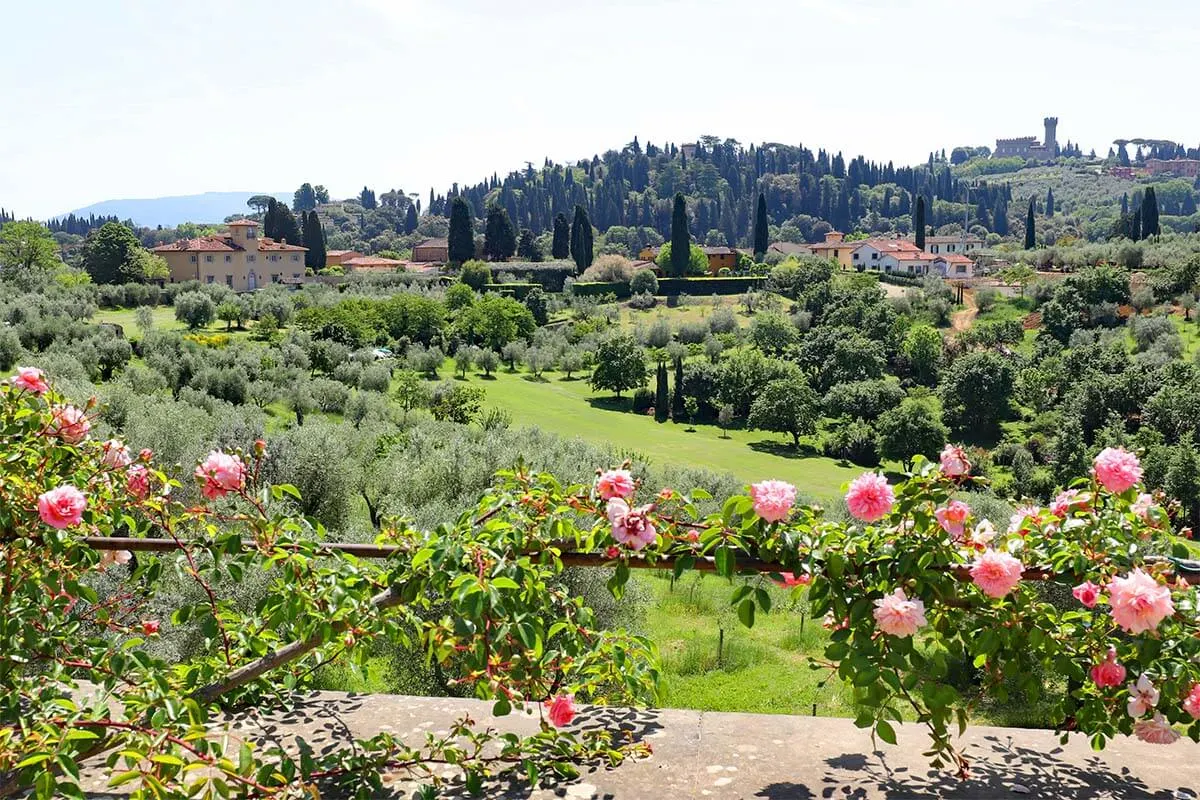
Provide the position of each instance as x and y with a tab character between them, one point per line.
228	259
296	275
229	281
250	232
208	278
856	256
251	259
960	269
295	258
874	256
950	248
208	259
192	259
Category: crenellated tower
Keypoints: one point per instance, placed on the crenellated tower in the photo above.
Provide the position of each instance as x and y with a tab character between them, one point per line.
1051	140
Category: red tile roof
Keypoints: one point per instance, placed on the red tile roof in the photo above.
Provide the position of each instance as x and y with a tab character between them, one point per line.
338	252
267	243
372	261
246	222
953	258
203	244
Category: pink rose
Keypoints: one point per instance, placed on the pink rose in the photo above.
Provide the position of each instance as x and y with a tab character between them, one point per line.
561	710
1143	505
1142	696
116	455
1024	516
146	454
952	517
149	626
1139	602
220	474
1191	703
69	424
896	615
954	461
62	507
773	500
137	481
1117	469
109	557
1087	593
983	535
614	483
788	580
870	498
1067	500
1155	731
30	380
630	527
1108	673
996	573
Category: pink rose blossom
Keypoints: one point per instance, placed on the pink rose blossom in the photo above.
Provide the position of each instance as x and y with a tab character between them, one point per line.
146	454
62	507
1067	500
1117	469
630	527
1139	602
788	580
896	615
220	474
1087	593
1155	731
952	517
1020	521
69	424
1142	696
561	710
954	461
983	535
870	497
996	573
773	500
614	483
1108	673
1143	505
116	455
109	557
137	481
150	627
1191	703
30	380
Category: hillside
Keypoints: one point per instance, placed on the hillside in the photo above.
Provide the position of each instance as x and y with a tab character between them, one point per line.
169	211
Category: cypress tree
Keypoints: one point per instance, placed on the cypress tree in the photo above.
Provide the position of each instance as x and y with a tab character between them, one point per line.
461	238
1135	227
271	220
560	247
1125	204
1050	202
314	240
410	219
1030	235
760	228
1149	214
581	238
678	409
286	225
919	222
661	398
681	239
499	238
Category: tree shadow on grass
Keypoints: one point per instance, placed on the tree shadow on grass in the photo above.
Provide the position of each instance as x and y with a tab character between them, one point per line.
535	378
622	404
784	449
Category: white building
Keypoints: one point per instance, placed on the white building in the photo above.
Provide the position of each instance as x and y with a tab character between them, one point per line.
936	245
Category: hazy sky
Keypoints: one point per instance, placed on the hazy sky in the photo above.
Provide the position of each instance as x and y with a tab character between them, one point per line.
109	100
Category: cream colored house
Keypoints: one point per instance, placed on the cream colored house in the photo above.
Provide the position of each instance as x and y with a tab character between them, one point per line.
240	259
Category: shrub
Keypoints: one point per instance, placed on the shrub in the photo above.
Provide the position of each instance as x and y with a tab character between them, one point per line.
643	282
642	302
853	441
609	268
643	400
195	309
375	378
329	396
476	274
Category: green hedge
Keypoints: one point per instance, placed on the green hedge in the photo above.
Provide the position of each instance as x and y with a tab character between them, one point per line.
701	287
516	290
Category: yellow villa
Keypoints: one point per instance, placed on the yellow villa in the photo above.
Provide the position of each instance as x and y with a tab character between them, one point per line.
240	259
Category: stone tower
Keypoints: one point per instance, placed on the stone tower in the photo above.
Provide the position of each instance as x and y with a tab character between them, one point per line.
1050	141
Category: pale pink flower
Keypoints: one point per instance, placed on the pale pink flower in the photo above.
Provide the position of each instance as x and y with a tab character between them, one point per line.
1087	593
116	455
1143	505
1155	731
1142	696
870	498
109	557
996	573
62	507
220	474
895	614
31	380
69	424
630	527
614	483
561	710
788	580
954	461
1108	673
1117	469
1024	516
953	517
1067	500
137	481
983	535
1139	602
1191	703
773	500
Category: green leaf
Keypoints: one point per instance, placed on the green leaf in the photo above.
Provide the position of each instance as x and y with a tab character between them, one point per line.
885	731
422	556
725	561
764	599
36	758
746	613
504	582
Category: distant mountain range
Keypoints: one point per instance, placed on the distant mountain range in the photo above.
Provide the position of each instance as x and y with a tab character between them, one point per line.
210	207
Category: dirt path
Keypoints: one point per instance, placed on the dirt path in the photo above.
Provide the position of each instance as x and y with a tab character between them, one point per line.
963	320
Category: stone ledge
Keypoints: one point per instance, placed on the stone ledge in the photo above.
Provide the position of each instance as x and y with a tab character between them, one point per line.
720	756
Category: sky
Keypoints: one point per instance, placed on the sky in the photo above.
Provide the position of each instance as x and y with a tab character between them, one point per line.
132	99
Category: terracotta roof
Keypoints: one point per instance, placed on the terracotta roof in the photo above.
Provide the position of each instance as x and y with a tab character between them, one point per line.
246	222
338	252
433	243
951	239
718	251
789	248
210	244
267	243
894	246
953	258
372	261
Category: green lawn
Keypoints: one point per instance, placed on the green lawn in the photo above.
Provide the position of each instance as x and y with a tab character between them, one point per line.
571	408
164	319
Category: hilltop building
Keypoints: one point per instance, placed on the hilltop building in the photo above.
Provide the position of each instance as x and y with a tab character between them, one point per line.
1179	167
934	245
431	251
240	259
1028	147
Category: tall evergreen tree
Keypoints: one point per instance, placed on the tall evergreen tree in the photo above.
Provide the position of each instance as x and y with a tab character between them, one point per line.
286	227
1050	202
919	222
560	247
410	219
461	238
1125	204
1150	214
581	238
499	236
367	198
314	240
681	239
1030	233
304	198
271	219
1135	226
760	229
662	400
678	408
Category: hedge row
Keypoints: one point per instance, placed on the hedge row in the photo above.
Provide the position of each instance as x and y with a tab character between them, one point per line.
701	287
514	290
